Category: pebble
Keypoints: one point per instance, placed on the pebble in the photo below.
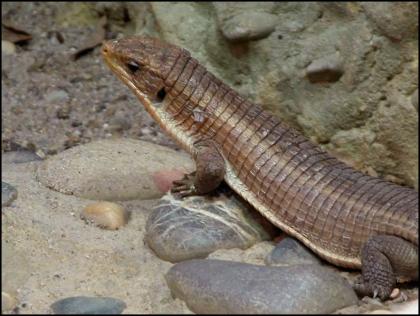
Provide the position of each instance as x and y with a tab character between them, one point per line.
325	69
57	95
248	26
8	194
218	286
106	215
8	302
8	48
114	170
194	227
289	251
88	305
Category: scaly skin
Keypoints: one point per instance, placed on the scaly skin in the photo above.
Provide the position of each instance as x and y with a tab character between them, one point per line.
348	218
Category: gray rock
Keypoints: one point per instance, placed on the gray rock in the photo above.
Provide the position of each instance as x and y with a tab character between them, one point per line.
88	305
326	69
114	170
217	286
20	156
248	26
289	251
178	230
8	194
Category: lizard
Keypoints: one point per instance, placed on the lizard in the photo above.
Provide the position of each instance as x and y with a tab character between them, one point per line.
346	217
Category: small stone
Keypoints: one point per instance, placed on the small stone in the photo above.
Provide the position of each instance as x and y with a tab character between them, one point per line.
326	69
107	215
226	287
291	252
56	95
8	194
8	302
249	26
395	293
88	305
8	48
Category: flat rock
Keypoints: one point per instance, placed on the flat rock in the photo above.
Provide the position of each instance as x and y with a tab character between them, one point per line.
325	69
114	170
88	305
8	194
217	286
289	251
248	26
193	227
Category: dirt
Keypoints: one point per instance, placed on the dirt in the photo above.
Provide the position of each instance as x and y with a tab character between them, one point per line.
52	102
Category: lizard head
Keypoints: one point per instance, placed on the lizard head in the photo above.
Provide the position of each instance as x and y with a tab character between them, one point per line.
142	63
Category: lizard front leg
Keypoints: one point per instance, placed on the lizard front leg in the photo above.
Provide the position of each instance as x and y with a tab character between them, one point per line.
210	171
386	259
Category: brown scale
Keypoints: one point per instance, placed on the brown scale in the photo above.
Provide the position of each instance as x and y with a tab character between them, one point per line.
232	103
229	141
245	122
196	95
231	124
258	150
256	117
213	102
181	84
230	113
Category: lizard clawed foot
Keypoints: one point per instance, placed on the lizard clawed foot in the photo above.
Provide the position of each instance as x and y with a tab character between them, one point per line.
366	288
184	187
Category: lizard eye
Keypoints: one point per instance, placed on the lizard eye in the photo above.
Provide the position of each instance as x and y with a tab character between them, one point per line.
133	66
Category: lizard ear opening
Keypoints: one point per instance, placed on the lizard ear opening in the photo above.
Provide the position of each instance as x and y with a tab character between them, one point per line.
161	94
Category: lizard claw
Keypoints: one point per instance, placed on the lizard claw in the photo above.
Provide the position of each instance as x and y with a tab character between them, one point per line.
375	293
184	187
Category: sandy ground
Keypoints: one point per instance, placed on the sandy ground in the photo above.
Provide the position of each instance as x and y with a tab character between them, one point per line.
50	253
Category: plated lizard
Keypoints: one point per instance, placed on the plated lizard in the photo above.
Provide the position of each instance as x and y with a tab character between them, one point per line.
348	218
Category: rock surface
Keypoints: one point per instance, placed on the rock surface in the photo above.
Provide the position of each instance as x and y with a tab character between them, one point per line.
216	286
114	170
194	227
